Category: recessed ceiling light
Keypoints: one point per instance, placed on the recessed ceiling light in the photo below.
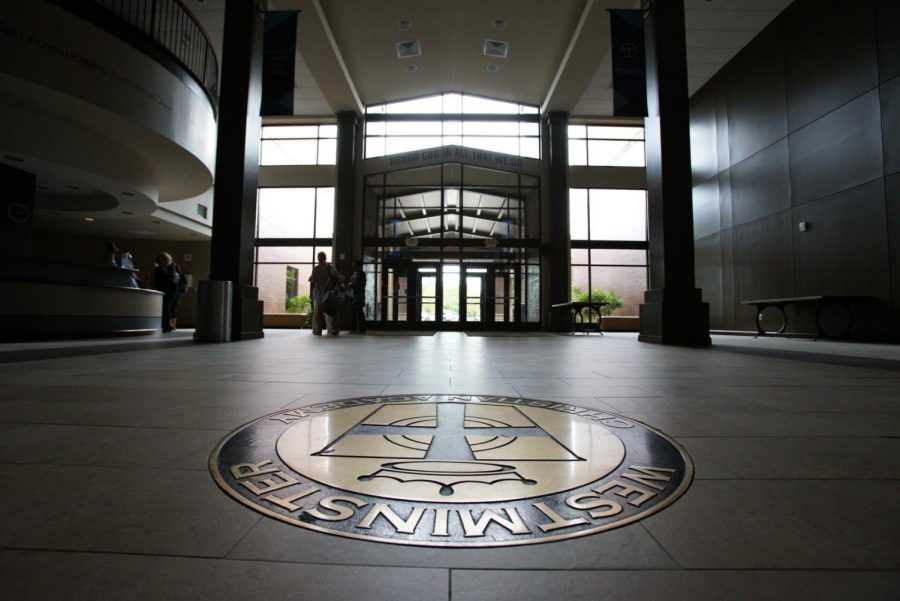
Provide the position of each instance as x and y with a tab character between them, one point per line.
492	68
73	187
404	24
15	159
127	193
88	218
127	213
499	24
411	68
155	221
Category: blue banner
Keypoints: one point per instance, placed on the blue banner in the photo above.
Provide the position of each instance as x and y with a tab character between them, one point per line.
279	57
629	68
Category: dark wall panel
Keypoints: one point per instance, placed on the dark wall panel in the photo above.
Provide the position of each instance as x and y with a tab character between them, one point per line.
888	16
892	197
815	68
761	185
831	56
728	290
838	151
708	266
704	159
706	208
755	97
763	265
890	124
724	155
724	183
844	251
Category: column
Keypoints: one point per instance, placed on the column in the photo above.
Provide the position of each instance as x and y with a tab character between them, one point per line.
345	192
556	276
16	211
673	311
237	164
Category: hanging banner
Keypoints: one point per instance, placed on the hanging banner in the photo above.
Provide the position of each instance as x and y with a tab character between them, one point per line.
279	55
629	69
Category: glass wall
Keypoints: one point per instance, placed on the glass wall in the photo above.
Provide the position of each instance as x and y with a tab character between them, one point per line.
608	230
292	226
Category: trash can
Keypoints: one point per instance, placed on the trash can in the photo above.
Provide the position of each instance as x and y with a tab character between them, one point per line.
213	311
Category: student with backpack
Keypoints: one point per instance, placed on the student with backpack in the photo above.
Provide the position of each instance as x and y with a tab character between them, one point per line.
326	281
170	280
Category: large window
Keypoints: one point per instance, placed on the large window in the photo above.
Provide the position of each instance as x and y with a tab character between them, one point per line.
608	229
292	226
298	145
452	119
606	146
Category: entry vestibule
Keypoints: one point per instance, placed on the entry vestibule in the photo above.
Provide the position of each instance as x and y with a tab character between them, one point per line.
453	246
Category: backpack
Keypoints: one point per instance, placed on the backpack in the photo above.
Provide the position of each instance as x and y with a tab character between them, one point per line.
337	293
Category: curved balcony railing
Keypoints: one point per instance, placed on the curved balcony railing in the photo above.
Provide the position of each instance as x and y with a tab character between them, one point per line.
168	23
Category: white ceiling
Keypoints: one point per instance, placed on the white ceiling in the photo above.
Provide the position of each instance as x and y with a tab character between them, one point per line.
347	55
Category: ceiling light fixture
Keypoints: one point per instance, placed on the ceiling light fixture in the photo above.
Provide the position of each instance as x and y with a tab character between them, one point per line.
73	187
499	24
88	219
492	67
411	68
127	193
404	24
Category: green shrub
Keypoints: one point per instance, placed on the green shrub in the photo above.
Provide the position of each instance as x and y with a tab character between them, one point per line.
298	304
615	301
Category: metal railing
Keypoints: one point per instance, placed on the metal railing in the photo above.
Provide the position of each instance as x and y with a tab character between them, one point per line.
171	24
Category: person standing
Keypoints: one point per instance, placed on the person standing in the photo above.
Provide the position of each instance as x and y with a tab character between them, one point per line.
323	278
166	280
358	285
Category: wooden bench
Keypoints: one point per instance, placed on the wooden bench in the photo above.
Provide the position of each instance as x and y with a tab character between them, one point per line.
582	322
820	303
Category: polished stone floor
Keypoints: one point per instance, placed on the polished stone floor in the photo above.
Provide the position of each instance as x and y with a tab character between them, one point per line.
106	493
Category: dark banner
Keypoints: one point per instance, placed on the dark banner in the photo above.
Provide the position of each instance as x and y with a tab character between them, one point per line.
629	69
279	54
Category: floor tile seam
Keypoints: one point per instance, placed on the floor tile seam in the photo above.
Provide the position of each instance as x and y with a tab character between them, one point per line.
789	436
798	479
242	537
123	427
204	469
688	570
661	546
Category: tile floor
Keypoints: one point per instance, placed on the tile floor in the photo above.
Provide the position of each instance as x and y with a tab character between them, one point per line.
106	493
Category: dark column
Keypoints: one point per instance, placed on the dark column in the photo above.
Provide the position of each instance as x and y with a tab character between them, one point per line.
237	164
673	311
16	211
345	192
555	262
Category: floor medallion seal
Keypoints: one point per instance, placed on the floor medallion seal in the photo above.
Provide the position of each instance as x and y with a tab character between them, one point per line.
450	470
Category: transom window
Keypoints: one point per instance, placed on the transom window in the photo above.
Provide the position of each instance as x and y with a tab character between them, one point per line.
298	145
606	146
452	119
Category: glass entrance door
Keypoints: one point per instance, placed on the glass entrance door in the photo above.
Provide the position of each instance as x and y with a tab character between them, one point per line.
476	295
426	294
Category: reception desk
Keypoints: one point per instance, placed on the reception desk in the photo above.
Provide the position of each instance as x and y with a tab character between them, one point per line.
41	299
